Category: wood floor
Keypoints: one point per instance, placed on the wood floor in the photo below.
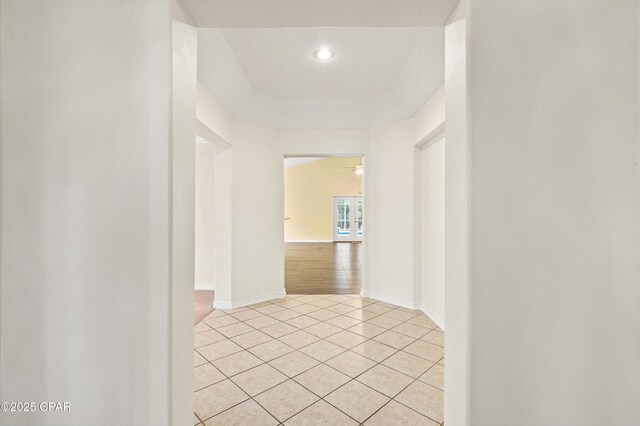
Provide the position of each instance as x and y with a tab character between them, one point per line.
323	268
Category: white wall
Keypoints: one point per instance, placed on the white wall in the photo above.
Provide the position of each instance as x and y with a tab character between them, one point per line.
179	13
461	11
211	114
85	228
433	225
1	149
323	142
555	213
215	125
183	181
457	240
390	172
223	222
249	252
257	184
393	176
205	253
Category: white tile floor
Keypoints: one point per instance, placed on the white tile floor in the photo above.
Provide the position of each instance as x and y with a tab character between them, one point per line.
318	359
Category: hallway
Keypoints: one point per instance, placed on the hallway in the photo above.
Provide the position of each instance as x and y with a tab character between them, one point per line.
325	359
323	268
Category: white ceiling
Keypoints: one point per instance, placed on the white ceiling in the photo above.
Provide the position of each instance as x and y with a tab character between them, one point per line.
318	13
269	75
280	62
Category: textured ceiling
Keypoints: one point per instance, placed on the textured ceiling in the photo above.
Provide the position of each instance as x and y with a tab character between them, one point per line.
280	62
318	13
269	75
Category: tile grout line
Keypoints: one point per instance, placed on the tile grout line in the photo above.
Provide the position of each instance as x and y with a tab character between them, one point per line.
351	379
293	349
229	378
320	338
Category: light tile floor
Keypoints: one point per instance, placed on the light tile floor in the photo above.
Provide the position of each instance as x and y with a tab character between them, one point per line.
318	359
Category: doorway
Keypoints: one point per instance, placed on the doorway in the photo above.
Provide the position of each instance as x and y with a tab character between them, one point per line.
323	224
309	270
432	158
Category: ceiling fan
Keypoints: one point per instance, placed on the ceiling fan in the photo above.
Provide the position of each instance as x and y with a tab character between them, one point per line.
359	169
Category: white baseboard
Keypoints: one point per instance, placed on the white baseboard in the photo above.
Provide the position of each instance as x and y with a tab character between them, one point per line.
405	304
308	241
409	304
249	300
219	304
205	286
435	318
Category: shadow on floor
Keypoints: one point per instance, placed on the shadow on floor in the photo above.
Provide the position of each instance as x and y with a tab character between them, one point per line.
203	300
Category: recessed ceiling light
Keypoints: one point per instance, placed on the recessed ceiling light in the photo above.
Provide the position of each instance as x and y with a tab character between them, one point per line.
324	54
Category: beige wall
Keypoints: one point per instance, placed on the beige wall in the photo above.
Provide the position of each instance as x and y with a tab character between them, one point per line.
309	192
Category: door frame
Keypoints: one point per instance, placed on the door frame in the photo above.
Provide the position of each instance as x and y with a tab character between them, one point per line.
338	152
457	285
